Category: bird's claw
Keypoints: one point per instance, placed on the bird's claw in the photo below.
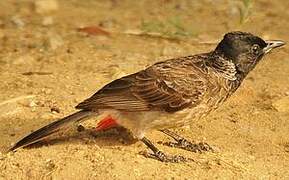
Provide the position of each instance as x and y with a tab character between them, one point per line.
189	146
166	158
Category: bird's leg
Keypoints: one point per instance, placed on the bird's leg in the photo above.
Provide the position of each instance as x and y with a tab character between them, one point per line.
159	155
185	144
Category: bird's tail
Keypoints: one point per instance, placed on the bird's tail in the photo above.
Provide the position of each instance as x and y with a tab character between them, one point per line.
51	128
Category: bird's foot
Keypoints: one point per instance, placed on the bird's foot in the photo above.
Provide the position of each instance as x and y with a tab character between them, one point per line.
182	143
189	146
160	156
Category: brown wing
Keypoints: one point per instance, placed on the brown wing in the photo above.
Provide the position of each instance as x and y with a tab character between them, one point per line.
167	86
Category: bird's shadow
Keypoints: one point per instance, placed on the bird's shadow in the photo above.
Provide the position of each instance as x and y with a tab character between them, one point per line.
117	136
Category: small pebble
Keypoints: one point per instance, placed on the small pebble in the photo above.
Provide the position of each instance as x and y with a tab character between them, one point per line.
46	6
17	21
46	91
47	21
50	165
32	103
282	105
55	109
25	59
80	128
54	41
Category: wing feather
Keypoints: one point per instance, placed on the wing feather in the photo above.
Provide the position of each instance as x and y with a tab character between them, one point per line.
167	86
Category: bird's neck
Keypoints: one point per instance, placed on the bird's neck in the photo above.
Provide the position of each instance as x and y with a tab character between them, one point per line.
225	67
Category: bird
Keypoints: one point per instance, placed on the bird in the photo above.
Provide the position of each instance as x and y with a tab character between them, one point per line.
168	94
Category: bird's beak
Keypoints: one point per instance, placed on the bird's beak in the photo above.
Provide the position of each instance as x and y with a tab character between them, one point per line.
272	44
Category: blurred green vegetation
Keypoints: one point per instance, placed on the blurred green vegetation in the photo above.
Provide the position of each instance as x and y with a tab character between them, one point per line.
245	10
171	28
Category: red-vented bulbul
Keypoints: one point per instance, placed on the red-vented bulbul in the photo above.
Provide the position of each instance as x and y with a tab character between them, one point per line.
170	93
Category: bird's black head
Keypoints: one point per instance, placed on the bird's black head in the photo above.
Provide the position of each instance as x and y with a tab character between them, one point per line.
245	50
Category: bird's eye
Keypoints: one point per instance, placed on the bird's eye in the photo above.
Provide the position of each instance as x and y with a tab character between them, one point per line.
255	48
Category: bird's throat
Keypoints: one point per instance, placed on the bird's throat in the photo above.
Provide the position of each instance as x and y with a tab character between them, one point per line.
224	67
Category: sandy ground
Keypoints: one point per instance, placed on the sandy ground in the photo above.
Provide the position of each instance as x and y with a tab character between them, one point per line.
47	67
